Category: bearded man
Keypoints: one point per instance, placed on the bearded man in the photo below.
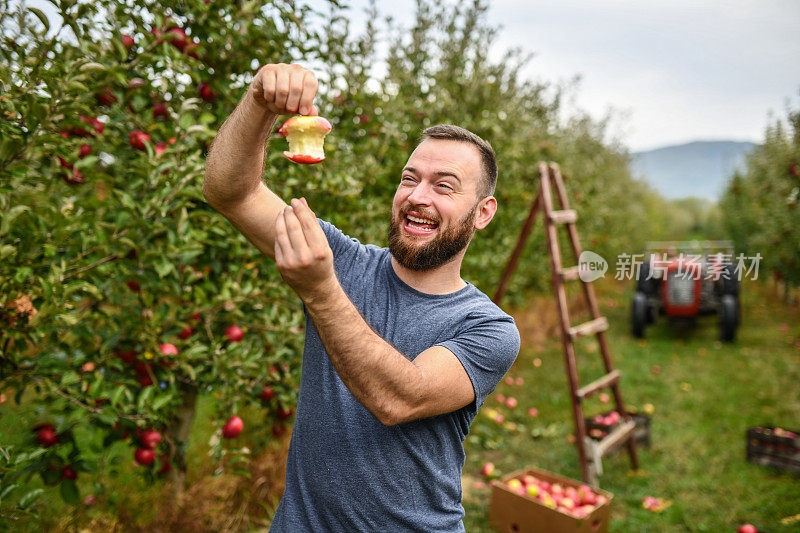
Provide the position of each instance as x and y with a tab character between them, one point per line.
400	352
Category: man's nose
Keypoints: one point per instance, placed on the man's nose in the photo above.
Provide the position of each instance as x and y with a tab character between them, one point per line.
420	195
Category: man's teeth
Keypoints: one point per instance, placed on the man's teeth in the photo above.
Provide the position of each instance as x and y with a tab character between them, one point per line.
421	220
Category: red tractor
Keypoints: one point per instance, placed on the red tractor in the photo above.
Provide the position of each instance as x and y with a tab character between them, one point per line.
683	280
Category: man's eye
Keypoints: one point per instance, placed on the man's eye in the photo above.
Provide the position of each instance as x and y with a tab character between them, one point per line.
445	186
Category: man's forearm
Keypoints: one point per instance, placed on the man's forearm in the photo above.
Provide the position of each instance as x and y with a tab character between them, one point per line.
378	375
235	162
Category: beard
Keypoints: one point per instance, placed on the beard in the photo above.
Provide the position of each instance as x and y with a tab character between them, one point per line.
432	254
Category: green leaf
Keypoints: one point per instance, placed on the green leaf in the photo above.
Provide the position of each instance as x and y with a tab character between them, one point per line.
28	500
9	217
69	492
42	18
116	396
94	67
7	250
161	401
75	86
7	490
144	397
163	268
70	378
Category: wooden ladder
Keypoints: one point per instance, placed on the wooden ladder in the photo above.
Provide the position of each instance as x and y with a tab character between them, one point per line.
590	452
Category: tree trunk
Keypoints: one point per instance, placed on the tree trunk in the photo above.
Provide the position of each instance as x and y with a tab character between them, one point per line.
178	433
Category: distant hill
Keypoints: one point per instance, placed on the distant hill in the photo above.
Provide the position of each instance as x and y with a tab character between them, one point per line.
700	169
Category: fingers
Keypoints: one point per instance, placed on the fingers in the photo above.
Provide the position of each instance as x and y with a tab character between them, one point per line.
309	90
288	89
314	235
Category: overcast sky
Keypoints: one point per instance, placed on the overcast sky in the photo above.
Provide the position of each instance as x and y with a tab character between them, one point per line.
674	71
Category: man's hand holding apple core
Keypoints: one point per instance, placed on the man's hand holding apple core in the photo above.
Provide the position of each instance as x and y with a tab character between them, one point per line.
285	89
302	253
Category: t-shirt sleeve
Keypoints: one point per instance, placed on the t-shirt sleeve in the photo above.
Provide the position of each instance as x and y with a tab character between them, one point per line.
486	348
348	252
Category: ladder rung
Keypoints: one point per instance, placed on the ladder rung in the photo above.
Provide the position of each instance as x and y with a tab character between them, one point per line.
618	435
570	273
589	328
567	216
610	379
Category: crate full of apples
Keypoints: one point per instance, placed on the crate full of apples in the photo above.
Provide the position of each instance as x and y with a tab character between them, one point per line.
774	446
598	426
534	500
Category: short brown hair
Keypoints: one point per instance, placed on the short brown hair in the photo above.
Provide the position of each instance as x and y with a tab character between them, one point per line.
489	163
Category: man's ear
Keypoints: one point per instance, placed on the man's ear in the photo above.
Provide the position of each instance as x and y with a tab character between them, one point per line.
486	210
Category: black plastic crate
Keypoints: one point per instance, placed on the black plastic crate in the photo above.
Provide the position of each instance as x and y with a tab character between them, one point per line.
641	433
775	447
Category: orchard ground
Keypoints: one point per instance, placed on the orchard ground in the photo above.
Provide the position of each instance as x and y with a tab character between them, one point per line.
705	395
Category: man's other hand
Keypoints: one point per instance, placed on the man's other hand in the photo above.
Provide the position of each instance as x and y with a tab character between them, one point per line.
304	258
285	89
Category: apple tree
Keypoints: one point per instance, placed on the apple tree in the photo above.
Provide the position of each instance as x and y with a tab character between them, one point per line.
123	295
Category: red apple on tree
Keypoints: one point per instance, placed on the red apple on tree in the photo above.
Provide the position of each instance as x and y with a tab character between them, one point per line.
106	97
205	92
84	150
160	110
69	473
284	413
144	456
232	427
234	333
46	435
127	41
186	332
149	438
138	138
267	393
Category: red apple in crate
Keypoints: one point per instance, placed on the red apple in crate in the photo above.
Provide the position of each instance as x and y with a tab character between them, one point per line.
528	480
306	136
516	485
488	469
232	427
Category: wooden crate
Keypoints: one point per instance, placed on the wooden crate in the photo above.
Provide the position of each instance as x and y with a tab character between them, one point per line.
510	512
781	450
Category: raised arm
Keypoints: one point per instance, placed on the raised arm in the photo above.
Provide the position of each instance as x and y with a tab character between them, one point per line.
233	180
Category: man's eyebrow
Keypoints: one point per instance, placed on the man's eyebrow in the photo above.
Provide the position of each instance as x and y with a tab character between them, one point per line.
438	173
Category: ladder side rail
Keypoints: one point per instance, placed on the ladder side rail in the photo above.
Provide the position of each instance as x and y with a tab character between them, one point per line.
591	298
569	348
511	265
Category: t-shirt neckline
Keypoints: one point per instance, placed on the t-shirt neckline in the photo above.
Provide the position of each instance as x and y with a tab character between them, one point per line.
387	263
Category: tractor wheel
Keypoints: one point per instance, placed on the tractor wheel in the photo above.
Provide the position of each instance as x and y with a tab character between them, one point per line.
643	284
728	317
639	314
729	280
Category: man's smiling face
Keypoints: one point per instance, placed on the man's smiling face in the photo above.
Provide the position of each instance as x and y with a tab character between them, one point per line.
434	208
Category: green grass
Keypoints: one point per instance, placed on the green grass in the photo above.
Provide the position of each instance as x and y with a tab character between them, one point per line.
706	396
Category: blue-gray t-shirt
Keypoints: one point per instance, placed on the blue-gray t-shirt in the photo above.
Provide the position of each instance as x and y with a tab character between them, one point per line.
346	471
